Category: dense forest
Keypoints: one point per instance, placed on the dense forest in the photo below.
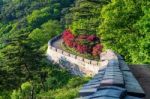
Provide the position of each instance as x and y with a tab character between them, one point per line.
27	25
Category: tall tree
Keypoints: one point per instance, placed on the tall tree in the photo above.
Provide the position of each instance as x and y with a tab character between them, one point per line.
84	16
117	30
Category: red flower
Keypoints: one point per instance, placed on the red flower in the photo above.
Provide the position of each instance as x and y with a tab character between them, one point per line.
82	48
97	49
68	38
80	42
92	38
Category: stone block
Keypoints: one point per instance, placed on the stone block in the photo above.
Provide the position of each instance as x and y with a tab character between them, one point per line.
113	63
94	62
132	85
119	57
98	77
112	70
104	97
123	65
53	48
113	74
59	51
91	83
73	56
108	55
86	97
91	86
132	97
94	80
66	53
111	82
87	61
49	47
87	92
110	92
99	63
80	58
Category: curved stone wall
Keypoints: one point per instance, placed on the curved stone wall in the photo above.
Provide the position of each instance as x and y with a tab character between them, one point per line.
76	64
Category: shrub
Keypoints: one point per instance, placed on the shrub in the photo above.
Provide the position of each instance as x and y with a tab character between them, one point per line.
68	38
97	49
82	43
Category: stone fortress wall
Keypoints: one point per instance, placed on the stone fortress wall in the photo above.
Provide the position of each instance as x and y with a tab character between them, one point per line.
76	64
111	75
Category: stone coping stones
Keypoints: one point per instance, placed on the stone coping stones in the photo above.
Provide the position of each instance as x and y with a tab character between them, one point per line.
91	83
105	97
113	63
96	85
87	61
132	85
66	53
132	97
98	76
94	62
80	58
115	81
59	51
94	80
73	56
53	48
123	65
110	91
112	82
87	91
112	70
108	55
119	57
112	77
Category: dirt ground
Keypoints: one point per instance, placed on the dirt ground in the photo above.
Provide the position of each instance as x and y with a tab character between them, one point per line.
142	73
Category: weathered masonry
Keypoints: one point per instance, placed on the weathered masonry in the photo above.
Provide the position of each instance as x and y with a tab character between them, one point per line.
112	78
75	64
116	81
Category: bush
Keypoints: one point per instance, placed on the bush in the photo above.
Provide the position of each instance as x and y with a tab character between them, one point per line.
82	43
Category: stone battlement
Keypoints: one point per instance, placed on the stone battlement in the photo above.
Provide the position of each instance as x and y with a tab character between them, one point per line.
50	45
76	64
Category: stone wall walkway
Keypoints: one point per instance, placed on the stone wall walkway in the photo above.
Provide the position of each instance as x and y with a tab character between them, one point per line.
116	81
57	44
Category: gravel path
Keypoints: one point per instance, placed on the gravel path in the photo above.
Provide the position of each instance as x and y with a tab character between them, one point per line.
142	73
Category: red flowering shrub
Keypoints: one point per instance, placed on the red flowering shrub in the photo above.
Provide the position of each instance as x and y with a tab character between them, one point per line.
82	36
97	49
68	38
82	43
82	48
92	38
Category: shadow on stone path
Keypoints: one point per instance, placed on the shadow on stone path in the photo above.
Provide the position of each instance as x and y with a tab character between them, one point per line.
142	74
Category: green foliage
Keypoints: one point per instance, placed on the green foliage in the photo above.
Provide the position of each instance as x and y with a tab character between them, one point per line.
117	29
143	28
25	30
22	93
15	94
38	16
84	16
69	91
42	35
